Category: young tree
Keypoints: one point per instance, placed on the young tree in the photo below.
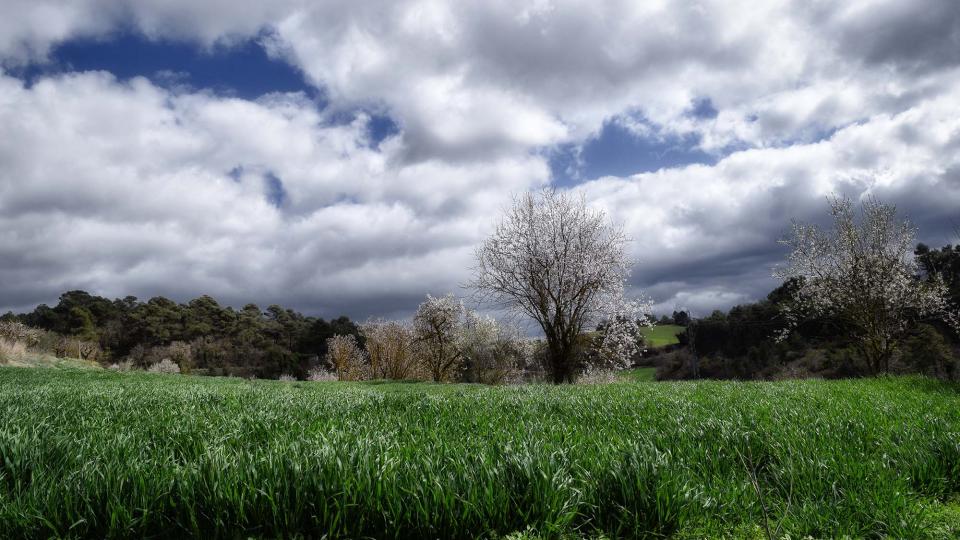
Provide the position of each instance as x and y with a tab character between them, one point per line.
862	275
493	352
390	349
345	357
559	262
438	328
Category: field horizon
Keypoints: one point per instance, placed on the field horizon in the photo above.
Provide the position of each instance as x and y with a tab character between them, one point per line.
90	452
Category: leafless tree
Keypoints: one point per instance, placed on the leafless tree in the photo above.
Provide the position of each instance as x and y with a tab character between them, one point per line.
861	274
558	261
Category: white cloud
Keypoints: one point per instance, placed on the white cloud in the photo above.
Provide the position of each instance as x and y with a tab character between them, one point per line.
127	187
708	231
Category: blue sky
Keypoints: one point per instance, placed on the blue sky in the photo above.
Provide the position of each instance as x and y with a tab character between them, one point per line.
348	157
245	70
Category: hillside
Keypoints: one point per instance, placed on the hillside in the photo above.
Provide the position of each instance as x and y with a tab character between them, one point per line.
661	335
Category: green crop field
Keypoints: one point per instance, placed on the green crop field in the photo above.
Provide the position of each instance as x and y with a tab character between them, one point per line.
90	453
661	335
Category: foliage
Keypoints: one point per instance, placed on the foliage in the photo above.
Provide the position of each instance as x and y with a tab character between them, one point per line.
942	264
556	260
861	274
221	340
927	351
100	454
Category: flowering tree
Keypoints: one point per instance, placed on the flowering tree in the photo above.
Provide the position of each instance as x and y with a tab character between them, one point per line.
390	349
619	339
862	275
559	262
493	351
345	357
438	329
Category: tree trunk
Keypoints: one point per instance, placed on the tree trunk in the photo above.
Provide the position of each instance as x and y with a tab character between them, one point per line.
561	361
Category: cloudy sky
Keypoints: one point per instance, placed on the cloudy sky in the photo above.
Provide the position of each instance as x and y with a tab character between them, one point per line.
347	156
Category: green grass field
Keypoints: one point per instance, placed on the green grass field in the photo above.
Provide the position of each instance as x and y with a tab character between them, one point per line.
90	453
661	335
641	374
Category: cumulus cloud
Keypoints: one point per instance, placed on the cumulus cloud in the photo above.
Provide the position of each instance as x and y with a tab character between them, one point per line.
127	187
131	186
705	235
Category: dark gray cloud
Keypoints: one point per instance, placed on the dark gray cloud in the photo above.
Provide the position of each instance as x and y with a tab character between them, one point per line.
917	36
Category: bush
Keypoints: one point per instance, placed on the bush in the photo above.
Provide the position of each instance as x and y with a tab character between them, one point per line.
926	351
597	375
71	347
286	377
165	366
346	358
11	351
320	373
178	352
16	332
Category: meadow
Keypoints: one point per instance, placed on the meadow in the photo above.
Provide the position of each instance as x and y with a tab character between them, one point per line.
661	335
94	453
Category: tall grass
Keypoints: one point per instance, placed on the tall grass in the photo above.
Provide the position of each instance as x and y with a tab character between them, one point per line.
104	454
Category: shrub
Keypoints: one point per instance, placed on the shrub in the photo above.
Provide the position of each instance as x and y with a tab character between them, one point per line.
11	351
165	366
597	375
927	352
346	358
390	350
321	373
286	377
16	332
71	347
179	352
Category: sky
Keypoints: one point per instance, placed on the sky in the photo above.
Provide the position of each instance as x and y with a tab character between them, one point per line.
346	157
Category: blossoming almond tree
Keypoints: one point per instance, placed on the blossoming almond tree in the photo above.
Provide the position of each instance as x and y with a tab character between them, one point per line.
561	263
438	329
346	357
862	275
390	349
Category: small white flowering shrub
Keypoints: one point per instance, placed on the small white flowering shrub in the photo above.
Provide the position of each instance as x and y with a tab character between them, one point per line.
165	366
597	375
320	374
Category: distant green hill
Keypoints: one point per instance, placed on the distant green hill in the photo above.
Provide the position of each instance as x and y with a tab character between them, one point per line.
662	335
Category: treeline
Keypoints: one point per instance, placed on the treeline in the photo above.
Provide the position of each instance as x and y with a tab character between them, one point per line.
201	336
745	342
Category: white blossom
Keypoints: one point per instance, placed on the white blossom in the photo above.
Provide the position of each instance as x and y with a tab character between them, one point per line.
346	358
561	263
862	275
438	326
